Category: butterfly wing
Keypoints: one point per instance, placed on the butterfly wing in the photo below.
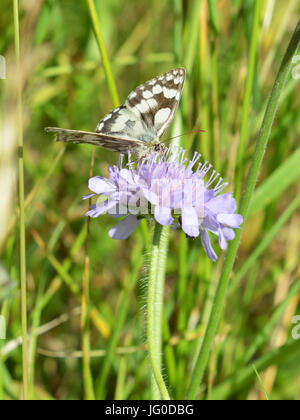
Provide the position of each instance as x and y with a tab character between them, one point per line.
148	110
116	144
142	119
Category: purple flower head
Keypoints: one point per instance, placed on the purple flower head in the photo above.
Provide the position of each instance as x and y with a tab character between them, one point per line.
172	190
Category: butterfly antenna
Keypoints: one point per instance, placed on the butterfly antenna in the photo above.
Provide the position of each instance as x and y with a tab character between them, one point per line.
185	134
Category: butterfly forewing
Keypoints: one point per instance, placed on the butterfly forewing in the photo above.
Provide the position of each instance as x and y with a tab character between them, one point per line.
116	144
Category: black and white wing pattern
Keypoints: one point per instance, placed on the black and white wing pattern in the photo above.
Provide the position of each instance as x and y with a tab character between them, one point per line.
148	110
107	141
138	124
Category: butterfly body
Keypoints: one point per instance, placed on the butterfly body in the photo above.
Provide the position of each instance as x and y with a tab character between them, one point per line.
137	125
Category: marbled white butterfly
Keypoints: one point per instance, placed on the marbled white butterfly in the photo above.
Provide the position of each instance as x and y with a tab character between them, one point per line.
137	125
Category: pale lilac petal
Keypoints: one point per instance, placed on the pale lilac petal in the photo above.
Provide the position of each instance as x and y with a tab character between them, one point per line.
232	220
124	228
150	196
224	203
127	175
93	213
222	240
100	185
207	246
189	222
163	215
86	197
209	195
100	208
117	211
210	222
228	233
177	199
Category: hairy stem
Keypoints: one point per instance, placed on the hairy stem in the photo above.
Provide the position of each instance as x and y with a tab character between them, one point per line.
154	309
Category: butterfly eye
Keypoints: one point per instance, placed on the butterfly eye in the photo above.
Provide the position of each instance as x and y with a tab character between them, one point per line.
157	147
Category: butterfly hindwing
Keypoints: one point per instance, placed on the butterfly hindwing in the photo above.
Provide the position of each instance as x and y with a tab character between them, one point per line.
123	123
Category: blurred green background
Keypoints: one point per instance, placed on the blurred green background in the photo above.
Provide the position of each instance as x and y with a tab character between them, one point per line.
232	56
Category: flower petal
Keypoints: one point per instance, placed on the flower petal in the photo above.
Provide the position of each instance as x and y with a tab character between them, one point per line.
222	240
207	246
189	221
228	233
100	185
124	228
100	208
209	195
232	220
150	196
127	175
223	203
163	215
117	211
210	222
86	197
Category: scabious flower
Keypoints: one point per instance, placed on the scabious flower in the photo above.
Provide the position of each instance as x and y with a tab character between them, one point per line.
172	190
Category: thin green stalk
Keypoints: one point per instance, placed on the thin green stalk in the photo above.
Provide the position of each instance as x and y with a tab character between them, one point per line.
215	107
85	305
154	309
85	328
247	98
4	313
267	396
120	390
21	205
101	44
177	34
204	79
261	144
191	36
36	319
182	316
1	373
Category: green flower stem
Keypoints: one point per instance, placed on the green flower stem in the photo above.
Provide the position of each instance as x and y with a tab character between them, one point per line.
21	206
261	144
154	309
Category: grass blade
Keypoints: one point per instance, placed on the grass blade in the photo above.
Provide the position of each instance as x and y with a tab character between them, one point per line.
21	205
